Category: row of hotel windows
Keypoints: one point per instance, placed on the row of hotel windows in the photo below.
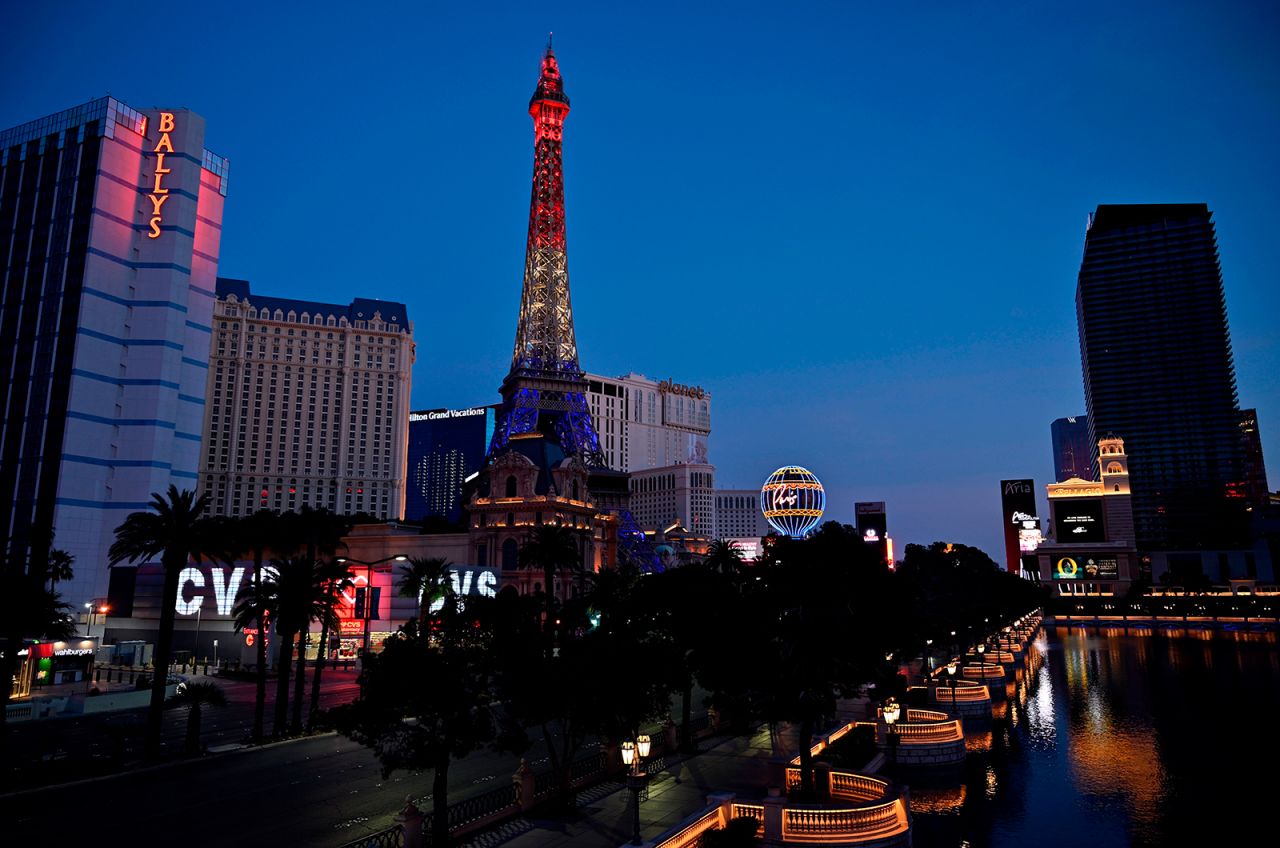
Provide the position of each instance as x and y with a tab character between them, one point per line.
235	310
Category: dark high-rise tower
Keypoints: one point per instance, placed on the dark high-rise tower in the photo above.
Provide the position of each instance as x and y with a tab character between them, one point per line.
1072	451
1158	370
545	391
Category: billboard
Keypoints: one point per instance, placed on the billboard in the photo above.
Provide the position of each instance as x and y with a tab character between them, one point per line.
1078	520
1085	567
871	521
446	448
208	591
1018	513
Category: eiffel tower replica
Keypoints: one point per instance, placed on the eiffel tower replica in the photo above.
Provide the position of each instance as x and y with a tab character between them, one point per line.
545	391
544	414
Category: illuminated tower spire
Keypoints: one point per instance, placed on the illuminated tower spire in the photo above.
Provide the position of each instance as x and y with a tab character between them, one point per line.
544	390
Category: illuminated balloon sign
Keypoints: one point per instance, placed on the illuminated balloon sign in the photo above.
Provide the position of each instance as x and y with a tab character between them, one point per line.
792	500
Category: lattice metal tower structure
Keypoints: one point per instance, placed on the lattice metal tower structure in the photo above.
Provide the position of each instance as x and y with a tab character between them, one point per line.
545	389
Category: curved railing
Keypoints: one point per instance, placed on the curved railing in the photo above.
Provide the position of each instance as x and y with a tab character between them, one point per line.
992	657
921	734
926	715
848	786
966	691
863	824
983	672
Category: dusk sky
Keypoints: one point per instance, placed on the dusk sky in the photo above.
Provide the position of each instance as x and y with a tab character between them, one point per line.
857	225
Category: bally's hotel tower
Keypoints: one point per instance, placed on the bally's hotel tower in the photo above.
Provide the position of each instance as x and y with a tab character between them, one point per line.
110	219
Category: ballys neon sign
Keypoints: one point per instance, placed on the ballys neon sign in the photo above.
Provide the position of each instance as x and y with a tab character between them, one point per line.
159	195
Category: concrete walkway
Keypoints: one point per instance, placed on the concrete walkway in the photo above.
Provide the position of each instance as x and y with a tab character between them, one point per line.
605	816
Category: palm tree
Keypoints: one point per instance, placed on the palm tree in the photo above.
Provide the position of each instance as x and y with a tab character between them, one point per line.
426	580
59	568
174	531
725	557
332	580
550	548
256	534
318	532
194	696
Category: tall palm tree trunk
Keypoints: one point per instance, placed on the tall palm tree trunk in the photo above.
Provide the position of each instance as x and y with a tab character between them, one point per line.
160	659
321	655
284	664
260	673
300	684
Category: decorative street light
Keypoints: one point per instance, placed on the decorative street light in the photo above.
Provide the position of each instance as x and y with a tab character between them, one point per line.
928	646
951	678
369	568
981	668
632	754
891	712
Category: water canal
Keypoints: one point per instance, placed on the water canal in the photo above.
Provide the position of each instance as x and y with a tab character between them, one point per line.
1121	737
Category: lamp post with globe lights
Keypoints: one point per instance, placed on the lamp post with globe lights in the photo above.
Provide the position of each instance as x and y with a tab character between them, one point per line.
951	679
632	755
892	710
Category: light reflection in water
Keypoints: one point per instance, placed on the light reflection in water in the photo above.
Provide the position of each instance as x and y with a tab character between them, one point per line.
1113	739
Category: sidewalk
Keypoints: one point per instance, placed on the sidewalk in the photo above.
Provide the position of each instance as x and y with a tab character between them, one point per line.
605	818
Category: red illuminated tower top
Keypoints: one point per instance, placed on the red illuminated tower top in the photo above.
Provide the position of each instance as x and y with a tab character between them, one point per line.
545	390
545	340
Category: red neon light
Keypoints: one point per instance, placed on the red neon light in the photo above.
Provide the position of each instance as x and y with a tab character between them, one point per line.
548	108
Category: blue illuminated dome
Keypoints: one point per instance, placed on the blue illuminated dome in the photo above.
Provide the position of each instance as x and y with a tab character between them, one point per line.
792	500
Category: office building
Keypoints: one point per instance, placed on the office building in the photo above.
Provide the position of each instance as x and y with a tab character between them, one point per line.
647	423
110	221
446	447
1072	450
307	403
1158	369
738	515
677	494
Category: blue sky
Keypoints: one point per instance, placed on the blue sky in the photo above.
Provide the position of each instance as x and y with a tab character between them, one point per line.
859	225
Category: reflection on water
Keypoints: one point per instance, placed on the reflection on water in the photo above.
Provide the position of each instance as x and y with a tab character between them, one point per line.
1116	737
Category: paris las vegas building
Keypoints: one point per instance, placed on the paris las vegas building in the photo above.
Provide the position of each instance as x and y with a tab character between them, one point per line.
110	222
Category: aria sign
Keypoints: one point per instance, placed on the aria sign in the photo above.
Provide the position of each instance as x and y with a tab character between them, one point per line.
158	193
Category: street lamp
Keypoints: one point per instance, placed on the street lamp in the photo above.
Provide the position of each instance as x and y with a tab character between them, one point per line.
632	754
951	678
369	568
981	668
891	712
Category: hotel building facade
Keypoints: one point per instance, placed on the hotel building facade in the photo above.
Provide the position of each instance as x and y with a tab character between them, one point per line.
110	223
308	404
647	423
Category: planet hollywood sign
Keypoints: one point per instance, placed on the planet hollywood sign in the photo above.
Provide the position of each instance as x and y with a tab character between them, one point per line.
670	388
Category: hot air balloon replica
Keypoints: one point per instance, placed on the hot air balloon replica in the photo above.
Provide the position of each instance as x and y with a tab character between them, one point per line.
793	500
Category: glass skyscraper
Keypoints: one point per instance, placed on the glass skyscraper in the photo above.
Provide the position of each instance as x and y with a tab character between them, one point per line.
1158	371
1072	450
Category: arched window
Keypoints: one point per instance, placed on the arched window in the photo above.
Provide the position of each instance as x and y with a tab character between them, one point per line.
510	554
574	490
1115	468
1117	487
511	486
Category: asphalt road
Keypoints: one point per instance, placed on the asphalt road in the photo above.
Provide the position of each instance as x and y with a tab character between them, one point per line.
317	791
322	791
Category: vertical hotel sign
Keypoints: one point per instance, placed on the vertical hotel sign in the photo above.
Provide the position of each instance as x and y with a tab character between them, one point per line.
159	194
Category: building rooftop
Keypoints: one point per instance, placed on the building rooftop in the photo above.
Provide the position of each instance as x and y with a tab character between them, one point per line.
360	308
1120	216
